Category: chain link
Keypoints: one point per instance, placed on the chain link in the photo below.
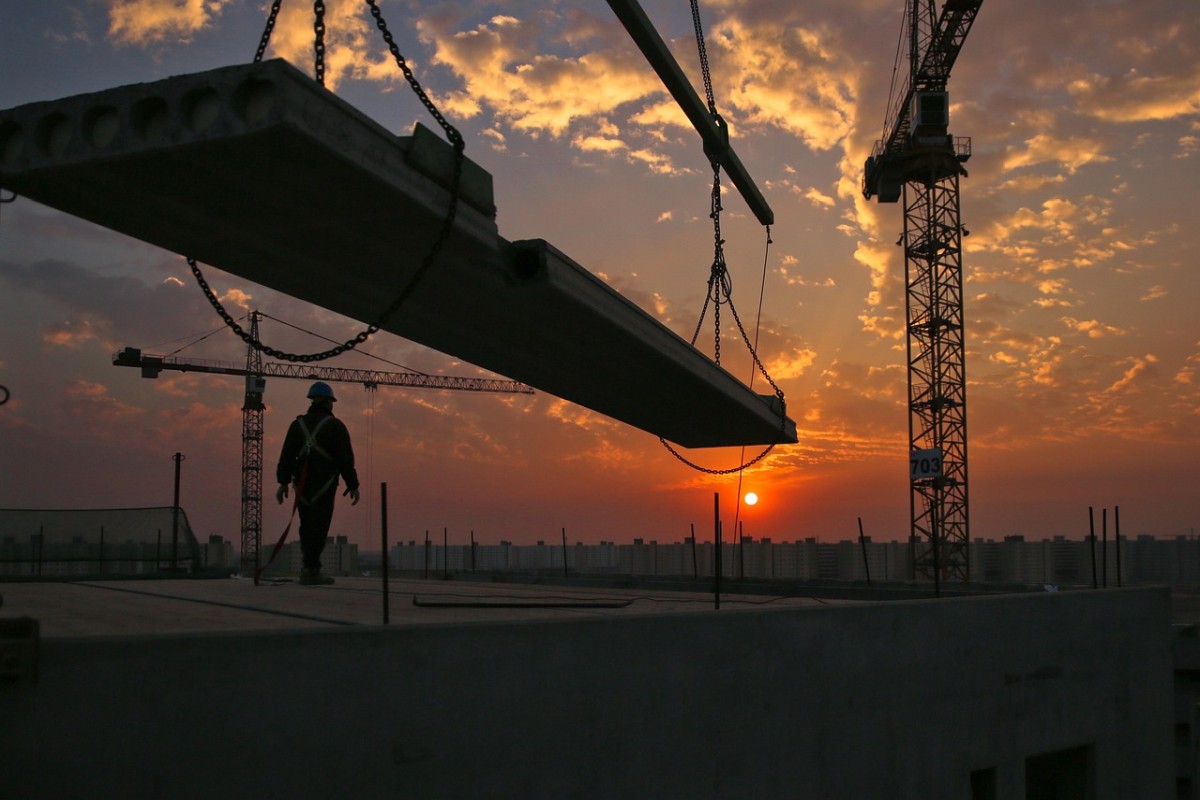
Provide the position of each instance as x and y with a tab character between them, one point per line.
266	37
720	286
456	140
319	41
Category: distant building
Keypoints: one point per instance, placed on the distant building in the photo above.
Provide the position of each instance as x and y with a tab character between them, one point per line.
1056	561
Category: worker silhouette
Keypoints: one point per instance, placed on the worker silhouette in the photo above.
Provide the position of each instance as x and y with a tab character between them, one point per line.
316	451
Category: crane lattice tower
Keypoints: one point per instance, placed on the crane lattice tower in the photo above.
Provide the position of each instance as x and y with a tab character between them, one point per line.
917	160
252	455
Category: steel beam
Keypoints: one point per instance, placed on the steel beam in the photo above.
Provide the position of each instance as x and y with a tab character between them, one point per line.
716	140
261	172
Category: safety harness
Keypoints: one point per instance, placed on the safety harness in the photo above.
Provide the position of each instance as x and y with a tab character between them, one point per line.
306	450
310	446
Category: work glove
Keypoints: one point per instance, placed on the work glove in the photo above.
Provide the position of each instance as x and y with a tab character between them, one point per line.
353	496
281	493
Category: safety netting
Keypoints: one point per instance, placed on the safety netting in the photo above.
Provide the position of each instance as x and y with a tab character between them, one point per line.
94	542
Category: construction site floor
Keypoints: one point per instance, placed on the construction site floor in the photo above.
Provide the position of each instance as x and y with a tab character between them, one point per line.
185	606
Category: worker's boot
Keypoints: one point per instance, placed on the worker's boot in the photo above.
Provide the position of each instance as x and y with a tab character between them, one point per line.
313	577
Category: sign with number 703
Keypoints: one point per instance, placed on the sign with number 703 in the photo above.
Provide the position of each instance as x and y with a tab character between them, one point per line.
925	464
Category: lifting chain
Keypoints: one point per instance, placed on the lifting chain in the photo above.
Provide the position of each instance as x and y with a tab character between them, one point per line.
452	134
720	286
319	41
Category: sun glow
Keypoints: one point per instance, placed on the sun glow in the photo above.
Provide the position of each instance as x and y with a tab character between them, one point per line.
751	498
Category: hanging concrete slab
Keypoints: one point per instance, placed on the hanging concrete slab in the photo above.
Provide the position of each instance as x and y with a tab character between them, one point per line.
261	172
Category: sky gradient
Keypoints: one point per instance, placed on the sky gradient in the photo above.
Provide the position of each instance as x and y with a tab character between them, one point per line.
1080	270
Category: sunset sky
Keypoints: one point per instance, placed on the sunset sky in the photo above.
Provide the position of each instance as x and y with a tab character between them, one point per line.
1081	279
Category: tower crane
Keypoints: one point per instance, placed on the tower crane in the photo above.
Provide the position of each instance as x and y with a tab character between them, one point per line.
919	160
256	373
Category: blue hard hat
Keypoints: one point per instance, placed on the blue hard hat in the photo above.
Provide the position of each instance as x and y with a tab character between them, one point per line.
319	390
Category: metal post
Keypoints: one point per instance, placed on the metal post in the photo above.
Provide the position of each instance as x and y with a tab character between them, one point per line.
472	551
1117	536
564	549
445	555
426	554
1092	536
158	553
101	549
383	532
178	457
1104	547
717	557
863	541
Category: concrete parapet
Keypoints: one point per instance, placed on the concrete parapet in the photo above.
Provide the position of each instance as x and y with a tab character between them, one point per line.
913	699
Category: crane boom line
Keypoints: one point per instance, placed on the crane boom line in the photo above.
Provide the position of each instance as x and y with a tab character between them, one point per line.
152	363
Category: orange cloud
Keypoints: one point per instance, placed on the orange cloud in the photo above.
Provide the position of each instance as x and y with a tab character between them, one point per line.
143	22
1134	97
1071	152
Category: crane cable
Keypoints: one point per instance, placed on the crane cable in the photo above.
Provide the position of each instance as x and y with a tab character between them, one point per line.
720	287
452	134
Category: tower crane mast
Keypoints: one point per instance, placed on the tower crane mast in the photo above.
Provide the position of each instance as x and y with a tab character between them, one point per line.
918	160
256	371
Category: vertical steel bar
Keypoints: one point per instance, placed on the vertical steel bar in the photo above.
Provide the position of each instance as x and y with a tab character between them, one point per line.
445	554
175	517
1104	547
1092	537
717	555
383	533
863	542
564	549
1117	536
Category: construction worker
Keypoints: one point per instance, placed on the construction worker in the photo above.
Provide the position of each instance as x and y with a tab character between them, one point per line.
316	451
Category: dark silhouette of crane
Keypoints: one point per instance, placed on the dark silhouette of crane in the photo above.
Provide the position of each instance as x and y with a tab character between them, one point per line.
919	160
256	373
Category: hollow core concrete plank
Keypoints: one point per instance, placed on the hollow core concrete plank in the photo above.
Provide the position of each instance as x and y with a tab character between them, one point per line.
259	171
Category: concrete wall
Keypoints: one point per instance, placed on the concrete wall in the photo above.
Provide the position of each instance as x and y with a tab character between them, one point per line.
895	700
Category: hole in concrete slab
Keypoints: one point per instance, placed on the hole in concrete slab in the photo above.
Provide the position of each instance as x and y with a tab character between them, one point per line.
254	100
149	117
12	144
53	134
201	107
100	126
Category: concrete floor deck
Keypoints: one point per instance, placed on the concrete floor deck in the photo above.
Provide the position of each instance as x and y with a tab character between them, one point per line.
183	606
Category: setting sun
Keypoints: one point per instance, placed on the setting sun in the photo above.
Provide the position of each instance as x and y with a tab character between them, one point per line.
751	498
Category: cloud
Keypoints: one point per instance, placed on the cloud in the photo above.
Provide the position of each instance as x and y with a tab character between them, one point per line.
1071	152
1093	328
1134	97
818	198
508	66
145	22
